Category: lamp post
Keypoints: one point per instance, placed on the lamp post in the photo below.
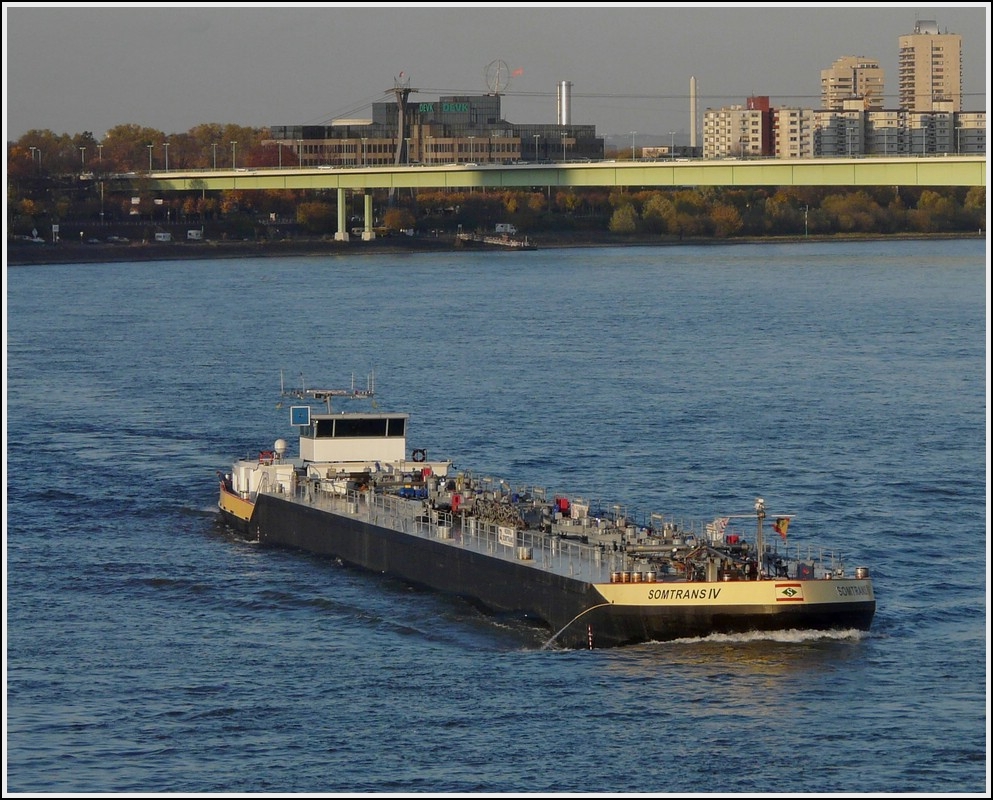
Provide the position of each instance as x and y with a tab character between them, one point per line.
166	146
805	210
470	138
633	134
672	145
958	140
100	153
407	152
82	156
234	146
563	146
32	149
299	152
536	137
214	148
279	153
150	146
364	140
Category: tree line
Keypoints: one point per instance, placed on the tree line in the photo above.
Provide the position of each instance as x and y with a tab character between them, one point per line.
53	178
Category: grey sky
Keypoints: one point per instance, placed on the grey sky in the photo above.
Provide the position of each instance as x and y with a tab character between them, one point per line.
72	68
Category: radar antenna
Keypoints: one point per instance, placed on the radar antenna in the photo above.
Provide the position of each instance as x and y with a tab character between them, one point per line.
325	395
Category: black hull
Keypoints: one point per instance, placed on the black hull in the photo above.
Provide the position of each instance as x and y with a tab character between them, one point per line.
494	584
573	610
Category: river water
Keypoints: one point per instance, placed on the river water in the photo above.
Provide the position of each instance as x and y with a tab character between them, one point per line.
148	650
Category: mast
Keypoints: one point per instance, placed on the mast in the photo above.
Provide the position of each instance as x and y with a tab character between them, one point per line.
760	514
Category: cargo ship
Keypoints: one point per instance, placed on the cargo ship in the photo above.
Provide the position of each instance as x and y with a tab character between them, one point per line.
593	576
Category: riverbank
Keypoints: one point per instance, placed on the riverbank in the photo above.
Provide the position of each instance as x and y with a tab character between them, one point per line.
21	253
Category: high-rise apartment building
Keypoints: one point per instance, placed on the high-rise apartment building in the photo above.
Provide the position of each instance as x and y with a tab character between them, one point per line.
930	69
852	78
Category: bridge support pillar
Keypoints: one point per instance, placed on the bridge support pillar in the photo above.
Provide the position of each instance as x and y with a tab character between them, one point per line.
342	233
368	234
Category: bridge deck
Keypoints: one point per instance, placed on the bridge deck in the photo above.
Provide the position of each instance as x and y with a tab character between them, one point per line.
948	170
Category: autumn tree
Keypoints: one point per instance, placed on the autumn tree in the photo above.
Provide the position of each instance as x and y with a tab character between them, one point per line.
726	220
397	219
316	217
624	219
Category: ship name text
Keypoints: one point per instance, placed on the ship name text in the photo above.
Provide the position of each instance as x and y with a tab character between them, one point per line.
849	591
683	594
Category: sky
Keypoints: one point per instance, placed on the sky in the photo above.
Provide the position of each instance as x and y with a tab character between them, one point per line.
72	68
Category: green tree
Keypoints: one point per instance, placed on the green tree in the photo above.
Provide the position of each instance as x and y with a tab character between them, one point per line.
658	213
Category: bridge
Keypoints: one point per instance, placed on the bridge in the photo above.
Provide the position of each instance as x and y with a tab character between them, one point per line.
947	170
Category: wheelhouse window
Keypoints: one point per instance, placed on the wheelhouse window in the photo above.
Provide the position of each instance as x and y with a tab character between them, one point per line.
355	428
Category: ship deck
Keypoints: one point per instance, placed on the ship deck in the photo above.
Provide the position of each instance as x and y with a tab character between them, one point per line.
587	562
592	550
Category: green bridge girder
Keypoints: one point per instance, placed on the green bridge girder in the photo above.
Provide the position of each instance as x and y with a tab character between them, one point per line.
951	170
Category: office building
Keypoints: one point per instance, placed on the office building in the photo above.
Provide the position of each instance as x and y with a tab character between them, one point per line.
455	129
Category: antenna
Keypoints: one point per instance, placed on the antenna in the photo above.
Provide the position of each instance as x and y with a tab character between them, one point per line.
325	395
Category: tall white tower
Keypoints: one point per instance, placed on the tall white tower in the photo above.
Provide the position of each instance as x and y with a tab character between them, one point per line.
692	114
564	103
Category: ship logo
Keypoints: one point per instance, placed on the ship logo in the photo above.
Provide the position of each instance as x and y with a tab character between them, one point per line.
789	592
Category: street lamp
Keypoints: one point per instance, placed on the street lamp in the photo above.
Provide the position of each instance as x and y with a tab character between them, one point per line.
213	146
536	137
470	138
166	146
32	149
82	156
633	134
407	140
672	144
234	145
100	153
364	140
150	146
299	152
563	146
958	140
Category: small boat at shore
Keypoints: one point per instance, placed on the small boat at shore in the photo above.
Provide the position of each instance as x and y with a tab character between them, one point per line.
593	576
501	241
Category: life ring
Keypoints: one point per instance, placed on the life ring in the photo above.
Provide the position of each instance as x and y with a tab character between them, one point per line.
417	455
266	457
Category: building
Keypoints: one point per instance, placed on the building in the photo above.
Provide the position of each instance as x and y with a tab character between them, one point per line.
852	78
456	129
793	132
758	130
738	131
930	65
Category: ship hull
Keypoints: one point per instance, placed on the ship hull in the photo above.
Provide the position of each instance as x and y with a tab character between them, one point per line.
577	613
